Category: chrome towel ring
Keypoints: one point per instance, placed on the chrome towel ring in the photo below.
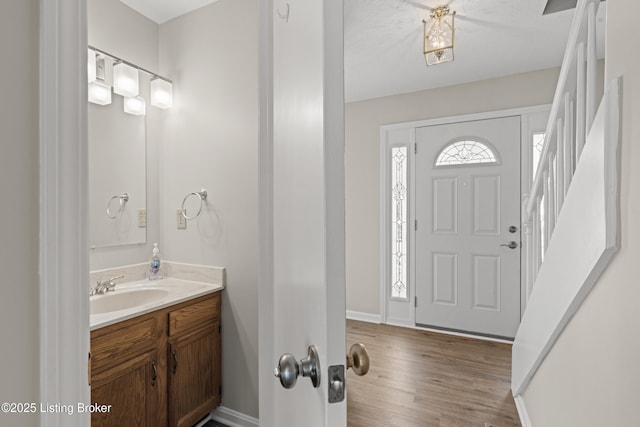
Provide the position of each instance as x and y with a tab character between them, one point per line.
123	198
202	194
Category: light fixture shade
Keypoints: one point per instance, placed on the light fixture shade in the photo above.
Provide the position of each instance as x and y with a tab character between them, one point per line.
135	105
99	93
91	65
125	80
438	36
161	93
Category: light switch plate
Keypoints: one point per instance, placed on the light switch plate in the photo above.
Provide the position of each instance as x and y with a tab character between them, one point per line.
181	220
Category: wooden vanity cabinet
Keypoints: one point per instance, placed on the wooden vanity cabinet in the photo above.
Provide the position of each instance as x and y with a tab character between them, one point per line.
158	369
194	368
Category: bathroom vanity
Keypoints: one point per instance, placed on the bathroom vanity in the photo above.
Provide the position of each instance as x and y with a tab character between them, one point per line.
157	363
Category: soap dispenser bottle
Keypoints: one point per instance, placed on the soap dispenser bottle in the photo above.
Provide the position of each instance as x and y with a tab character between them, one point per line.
155	266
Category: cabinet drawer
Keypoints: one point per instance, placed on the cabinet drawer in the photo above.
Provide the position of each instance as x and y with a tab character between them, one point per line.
193	316
114	345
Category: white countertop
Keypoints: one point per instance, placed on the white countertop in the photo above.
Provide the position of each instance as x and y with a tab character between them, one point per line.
177	291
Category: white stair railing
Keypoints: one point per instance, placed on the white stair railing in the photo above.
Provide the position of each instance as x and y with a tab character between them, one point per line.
572	113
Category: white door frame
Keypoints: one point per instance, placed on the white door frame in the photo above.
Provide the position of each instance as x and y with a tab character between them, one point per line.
64	248
392	135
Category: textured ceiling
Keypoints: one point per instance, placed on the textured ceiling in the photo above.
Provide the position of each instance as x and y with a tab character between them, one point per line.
383	41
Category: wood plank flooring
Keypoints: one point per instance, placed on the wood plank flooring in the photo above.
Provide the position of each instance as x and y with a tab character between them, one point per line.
426	379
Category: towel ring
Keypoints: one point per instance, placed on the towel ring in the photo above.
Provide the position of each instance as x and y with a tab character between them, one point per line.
202	194
123	198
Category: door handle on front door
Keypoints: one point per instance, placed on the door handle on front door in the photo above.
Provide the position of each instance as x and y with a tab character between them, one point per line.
510	245
289	369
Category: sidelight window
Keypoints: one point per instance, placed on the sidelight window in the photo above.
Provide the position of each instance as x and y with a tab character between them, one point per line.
399	220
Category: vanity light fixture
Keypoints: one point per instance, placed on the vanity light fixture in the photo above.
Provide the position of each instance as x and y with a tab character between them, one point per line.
125	83
91	65
135	105
161	93
125	79
438	36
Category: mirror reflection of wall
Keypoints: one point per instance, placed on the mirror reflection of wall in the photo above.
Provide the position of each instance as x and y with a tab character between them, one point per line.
117	166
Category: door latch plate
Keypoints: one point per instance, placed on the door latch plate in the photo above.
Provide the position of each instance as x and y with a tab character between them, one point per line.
336	383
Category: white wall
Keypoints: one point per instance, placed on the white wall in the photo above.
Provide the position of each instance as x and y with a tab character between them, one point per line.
19	181
121	31
210	140
362	138
590	377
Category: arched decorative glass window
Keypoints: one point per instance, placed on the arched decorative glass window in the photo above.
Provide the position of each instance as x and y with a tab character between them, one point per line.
466	152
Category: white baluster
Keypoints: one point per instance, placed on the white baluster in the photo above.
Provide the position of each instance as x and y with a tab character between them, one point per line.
545	197
560	131
551	192
580	101
568	141
591	66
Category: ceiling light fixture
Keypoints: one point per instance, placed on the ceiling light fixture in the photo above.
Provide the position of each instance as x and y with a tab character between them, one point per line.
438	36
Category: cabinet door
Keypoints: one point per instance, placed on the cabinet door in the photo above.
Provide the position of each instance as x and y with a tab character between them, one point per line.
132	391
194	375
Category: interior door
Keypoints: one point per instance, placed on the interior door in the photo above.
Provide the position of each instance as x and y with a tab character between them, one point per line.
468	226
302	273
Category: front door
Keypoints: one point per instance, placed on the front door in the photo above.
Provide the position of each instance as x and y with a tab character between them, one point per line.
302	255
468	226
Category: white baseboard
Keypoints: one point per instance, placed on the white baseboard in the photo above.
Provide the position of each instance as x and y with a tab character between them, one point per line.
401	322
230	417
522	411
363	317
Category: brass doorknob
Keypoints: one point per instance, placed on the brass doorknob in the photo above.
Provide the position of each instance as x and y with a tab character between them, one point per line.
358	359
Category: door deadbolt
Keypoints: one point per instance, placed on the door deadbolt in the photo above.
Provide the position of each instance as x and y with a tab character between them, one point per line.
513	229
289	369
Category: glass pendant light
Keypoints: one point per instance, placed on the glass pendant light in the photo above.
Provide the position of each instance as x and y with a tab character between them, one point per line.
135	105
125	80
161	93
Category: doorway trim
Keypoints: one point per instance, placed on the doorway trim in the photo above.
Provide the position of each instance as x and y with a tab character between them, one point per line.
63	243
398	134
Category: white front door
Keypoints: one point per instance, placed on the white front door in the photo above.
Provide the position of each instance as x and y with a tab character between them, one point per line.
468	226
302	256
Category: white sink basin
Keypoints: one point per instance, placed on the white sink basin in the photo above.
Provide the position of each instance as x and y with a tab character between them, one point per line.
124	299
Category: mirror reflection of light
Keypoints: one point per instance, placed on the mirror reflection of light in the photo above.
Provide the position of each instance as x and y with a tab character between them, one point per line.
135	106
99	93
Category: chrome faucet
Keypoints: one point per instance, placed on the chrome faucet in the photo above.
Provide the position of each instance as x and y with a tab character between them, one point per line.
105	286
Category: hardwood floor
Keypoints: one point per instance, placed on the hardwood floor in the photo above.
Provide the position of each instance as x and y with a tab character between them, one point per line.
426	379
